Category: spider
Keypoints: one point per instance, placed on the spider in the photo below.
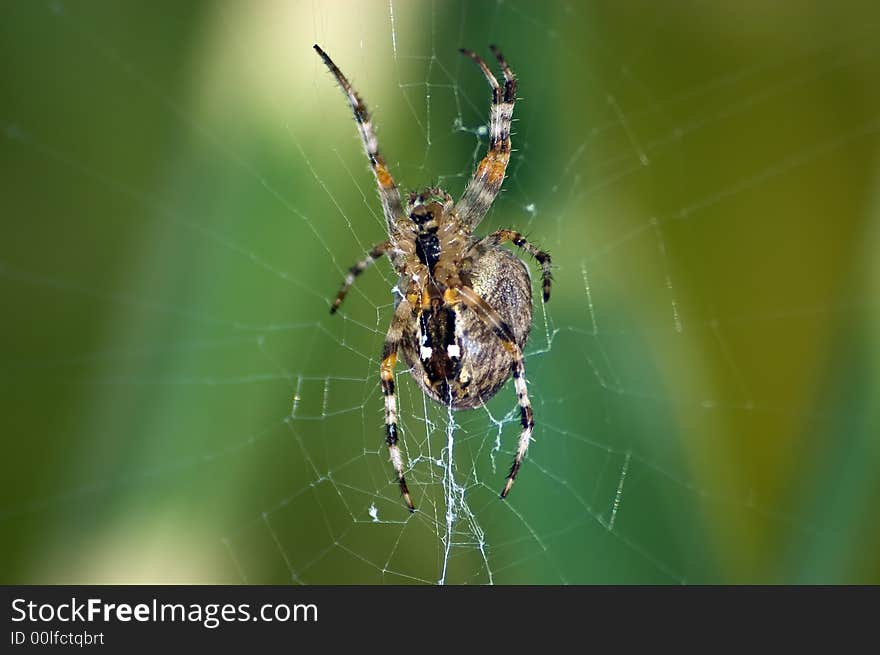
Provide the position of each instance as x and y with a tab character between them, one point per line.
463	304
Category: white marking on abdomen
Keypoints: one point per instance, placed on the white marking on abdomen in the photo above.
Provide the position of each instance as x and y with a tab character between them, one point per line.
425	352
453	350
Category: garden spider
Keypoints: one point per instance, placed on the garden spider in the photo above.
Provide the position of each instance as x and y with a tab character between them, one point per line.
464	304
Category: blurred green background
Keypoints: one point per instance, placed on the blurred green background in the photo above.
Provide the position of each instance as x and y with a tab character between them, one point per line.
183	189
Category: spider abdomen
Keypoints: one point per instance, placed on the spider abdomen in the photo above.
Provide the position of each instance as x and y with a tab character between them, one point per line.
453	355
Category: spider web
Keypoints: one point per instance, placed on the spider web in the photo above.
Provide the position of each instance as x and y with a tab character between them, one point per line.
707	344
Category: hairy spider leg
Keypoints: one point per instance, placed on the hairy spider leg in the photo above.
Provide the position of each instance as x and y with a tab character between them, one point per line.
357	269
388	193
389	359
543	257
484	186
490	317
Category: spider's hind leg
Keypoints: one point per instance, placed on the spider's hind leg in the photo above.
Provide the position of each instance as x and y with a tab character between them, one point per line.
502	330
389	359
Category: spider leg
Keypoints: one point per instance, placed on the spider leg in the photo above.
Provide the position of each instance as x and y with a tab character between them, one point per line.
389	359
483	187
490	317
356	270
543	257
388	193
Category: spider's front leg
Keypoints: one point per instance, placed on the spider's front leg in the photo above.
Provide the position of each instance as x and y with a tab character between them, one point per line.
356	270
542	256
388	193
486	182
490	317
389	359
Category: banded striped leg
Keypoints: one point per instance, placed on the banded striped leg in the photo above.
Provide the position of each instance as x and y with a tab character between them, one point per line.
388	193
356	270
520	241
527	419
389	359
486	181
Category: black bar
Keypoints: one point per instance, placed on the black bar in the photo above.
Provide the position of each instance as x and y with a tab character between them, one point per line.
398	618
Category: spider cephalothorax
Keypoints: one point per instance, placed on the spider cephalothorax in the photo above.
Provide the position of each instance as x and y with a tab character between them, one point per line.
464	304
